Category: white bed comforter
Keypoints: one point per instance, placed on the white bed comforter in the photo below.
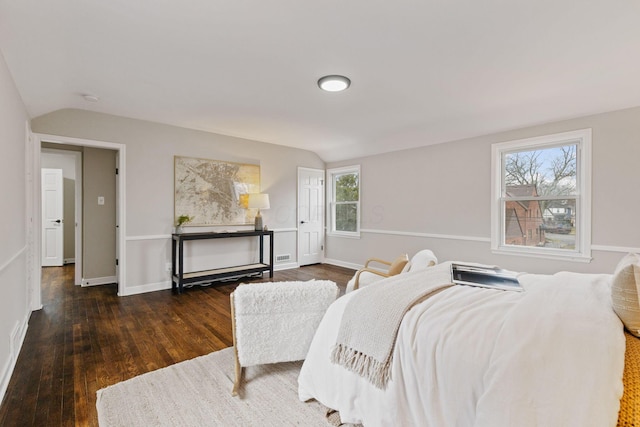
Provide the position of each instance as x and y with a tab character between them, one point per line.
550	356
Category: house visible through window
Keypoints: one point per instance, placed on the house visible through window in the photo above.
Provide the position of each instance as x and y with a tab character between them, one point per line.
541	195
344	197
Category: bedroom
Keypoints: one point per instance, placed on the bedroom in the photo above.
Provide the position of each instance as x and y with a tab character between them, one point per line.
417	208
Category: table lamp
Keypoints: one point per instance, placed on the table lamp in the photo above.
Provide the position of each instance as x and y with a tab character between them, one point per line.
258	201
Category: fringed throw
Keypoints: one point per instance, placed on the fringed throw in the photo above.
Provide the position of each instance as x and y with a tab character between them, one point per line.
371	320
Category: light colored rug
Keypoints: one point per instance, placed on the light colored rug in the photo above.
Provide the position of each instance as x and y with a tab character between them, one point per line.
197	392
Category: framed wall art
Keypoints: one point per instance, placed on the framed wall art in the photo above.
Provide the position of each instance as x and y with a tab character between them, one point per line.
214	192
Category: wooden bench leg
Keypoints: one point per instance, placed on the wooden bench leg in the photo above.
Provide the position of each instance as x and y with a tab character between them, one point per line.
238	368
236	384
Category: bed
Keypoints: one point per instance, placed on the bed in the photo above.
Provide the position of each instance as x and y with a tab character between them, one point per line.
552	355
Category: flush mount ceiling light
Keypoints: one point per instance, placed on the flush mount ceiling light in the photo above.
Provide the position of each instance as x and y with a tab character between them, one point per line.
334	83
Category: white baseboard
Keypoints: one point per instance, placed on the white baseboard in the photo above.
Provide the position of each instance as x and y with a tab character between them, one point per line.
16	339
285	266
99	281
343	264
69	261
149	287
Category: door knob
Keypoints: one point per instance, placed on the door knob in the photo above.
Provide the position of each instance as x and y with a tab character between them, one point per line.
303	222
58	221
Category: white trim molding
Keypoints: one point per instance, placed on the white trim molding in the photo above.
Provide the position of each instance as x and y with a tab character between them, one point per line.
608	248
428	235
99	281
600	248
168	236
342	264
121	231
18	334
13	258
149	287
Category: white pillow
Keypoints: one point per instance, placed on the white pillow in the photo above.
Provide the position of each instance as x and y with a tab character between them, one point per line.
625	291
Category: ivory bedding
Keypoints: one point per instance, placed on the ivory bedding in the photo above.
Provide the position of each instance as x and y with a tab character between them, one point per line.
550	356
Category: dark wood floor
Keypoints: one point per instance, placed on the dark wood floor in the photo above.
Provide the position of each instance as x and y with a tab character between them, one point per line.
85	339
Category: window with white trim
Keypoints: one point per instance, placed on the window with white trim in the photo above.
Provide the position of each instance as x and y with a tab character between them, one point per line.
541	196
344	201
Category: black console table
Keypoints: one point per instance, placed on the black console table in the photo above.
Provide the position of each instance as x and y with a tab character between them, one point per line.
179	278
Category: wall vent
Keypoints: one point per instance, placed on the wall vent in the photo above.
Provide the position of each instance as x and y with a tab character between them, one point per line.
285	257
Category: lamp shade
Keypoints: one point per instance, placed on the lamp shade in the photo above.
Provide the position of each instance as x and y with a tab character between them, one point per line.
258	201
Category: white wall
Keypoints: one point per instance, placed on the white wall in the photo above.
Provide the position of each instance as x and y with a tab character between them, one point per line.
14	311
438	197
150	151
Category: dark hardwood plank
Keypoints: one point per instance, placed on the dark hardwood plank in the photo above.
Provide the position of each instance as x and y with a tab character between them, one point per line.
85	339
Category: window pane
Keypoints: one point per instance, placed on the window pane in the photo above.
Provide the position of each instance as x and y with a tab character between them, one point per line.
347	188
541	223
347	217
541	172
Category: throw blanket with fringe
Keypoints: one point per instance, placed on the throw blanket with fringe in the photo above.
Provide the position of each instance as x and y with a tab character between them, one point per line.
370	323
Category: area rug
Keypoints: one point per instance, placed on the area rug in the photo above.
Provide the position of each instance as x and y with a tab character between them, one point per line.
197	392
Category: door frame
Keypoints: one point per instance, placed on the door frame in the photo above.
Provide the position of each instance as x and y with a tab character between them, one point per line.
120	206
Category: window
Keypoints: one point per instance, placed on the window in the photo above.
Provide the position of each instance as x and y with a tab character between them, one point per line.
541	204
344	201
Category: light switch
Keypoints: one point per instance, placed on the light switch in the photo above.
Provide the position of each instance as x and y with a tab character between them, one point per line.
101	200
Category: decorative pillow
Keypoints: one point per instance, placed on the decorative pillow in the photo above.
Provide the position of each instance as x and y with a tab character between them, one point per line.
625	290
397	265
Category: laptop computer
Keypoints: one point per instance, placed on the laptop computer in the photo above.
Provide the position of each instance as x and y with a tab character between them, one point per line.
485	277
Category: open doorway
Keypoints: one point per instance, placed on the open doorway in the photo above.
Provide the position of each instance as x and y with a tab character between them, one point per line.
116	229
69	229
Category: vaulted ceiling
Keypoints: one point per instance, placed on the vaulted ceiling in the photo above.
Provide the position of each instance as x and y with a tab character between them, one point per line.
423	71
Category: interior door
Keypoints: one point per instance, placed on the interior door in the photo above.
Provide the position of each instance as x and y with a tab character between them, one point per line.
310	216
52	220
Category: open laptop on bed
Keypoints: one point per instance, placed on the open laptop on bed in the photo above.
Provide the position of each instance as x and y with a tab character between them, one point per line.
485	277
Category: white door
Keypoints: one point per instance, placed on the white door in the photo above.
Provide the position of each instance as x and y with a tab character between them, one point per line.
52	221
310	216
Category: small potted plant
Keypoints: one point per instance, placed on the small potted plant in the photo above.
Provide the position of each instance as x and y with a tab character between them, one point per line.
182	219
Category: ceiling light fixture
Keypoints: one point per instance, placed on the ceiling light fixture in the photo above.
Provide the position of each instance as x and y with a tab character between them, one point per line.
334	83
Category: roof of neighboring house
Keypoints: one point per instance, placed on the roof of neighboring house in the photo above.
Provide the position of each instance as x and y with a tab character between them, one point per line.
521	190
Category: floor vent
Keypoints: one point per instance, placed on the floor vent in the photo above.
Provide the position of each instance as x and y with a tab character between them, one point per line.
285	257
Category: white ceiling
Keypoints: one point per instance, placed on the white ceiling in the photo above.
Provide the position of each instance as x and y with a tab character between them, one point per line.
422	71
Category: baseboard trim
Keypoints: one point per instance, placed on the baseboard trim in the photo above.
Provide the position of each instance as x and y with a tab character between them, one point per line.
16	339
344	264
285	266
99	281
143	289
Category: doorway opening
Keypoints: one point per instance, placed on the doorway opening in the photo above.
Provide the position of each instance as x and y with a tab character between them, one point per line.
62	210
118	152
